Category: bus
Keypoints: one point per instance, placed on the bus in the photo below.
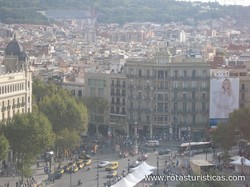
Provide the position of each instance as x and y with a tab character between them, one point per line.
192	148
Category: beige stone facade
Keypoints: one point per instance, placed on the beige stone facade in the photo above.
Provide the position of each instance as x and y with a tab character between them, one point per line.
168	96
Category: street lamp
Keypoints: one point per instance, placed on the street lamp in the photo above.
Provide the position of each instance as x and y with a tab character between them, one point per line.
157	165
242	164
136	143
97	171
128	166
70	179
176	124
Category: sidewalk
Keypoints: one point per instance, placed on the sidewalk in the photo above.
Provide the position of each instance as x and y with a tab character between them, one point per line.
38	175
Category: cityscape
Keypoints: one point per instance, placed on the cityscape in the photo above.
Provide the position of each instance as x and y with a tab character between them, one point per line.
87	103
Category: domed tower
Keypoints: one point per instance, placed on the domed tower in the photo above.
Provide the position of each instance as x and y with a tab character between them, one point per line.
15	58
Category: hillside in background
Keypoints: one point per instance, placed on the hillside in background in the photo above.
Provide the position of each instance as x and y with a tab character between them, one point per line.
122	11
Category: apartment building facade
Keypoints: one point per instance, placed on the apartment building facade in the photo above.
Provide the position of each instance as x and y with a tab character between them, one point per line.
168	96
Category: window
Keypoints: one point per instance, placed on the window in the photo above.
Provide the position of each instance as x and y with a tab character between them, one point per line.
193	84
160	107
203	95
204	73
140	73
175	84
123	93
203	85
243	87
118	92
193	73
166	74
113	83
175	74
185	85
203	107
185	73
243	96
175	95
139	94
148	73
193	95
160	97
184	96
117	110
117	100
79	93
166	107
92	91
175	106
184	107
160	74
194	119
193	106
112	91
123	111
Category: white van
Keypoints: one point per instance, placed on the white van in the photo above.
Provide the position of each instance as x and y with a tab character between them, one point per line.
152	143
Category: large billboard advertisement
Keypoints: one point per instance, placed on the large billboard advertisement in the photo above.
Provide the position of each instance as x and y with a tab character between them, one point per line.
224	98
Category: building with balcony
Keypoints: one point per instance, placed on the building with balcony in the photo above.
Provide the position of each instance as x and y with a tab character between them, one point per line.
167	95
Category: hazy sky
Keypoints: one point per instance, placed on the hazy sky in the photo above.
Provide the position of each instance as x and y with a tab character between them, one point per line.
226	2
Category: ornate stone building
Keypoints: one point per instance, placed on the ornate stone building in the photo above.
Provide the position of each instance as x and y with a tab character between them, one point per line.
15	82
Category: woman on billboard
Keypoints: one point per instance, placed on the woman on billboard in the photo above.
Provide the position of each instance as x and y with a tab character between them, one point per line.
224	100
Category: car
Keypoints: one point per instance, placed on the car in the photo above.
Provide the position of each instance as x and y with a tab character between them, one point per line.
164	151
112	166
142	157
54	176
152	143
80	165
103	164
87	162
84	156
134	164
73	169
67	167
112	174
60	170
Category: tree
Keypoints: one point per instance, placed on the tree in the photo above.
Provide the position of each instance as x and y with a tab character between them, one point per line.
98	109
28	135
67	141
239	121
65	113
61	108
4	147
224	136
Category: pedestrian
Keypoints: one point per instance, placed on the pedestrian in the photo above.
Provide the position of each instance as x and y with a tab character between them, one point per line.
8	184
17	184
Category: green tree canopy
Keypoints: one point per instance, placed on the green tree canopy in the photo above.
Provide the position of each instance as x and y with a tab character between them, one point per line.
224	136
28	135
239	120
237	127
61	108
67	140
65	113
4	147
